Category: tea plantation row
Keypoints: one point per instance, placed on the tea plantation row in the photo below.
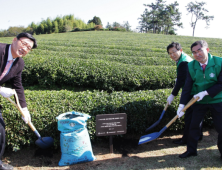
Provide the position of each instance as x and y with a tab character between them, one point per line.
109	61
98	74
143	108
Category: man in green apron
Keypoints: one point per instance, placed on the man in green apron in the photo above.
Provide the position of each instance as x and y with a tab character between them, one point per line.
182	59
204	80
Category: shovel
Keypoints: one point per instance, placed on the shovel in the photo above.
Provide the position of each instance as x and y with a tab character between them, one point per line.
152	136
161	116
42	142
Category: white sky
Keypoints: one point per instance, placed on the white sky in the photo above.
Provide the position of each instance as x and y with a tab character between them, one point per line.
23	12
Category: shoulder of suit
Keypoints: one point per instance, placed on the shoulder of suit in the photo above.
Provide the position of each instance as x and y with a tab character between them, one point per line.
20	62
3	46
183	63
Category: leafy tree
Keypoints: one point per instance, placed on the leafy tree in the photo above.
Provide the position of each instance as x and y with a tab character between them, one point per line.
198	12
34	27
127	26
96	20
13	31
60	24
91	25
154	13
79	23
68	25
40	29
29	30
71	18
108	25
49	25
160	17
145	22
116	24
55	27
75	24
3	33
171	17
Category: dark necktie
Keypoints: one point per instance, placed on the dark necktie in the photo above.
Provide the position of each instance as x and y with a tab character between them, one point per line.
204	66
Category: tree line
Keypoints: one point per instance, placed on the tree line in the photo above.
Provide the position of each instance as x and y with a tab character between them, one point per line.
48	26
66	23
160	17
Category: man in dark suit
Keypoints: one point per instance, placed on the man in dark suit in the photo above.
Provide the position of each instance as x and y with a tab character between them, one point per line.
182	59
204	80
11	66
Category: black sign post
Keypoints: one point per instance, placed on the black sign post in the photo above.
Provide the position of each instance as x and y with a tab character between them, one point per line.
109	125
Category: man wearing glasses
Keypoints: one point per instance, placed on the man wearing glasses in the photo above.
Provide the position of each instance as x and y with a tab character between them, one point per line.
204	80
11	66
182	59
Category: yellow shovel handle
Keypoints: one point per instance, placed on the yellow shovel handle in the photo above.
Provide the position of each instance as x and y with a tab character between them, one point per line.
192	101
20	110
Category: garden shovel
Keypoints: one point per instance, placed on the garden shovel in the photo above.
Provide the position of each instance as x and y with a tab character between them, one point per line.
152	136
42	142
161	116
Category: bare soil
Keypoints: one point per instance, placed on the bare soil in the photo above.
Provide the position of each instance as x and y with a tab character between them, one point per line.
127	154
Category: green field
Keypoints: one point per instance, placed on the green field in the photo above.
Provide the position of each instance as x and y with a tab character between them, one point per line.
98	72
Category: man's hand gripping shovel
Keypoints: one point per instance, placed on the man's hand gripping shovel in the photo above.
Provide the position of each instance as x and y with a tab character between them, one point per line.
152	136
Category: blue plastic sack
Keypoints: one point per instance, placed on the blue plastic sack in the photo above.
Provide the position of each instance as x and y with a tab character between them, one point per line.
74	138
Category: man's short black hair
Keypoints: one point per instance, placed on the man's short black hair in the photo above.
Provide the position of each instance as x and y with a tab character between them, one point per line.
202	43
29	36
174	44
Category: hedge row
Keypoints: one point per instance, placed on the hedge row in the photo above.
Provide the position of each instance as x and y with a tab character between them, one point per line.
153	59
97	50
105	45
143	108
98	74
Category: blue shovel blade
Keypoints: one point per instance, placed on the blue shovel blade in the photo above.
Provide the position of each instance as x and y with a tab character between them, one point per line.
44	142
148	138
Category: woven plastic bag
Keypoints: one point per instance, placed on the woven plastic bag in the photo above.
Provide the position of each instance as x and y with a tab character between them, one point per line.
74	138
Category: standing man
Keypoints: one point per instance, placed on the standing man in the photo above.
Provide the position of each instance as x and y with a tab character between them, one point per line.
11	66
182	59
204	80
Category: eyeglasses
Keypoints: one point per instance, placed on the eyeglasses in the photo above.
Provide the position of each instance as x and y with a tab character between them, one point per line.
172	53
198	51
24	44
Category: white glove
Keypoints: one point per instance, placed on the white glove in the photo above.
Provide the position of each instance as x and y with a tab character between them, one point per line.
170	98
6	92
201	95
27	117
179	113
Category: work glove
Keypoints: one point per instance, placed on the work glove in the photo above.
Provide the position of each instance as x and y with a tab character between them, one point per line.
170	98
27	117
201	95
6	92
179	112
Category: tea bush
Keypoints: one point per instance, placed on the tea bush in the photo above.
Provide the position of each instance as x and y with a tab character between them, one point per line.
98	74
143	108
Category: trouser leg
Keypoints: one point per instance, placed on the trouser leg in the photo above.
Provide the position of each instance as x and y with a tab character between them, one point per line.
2	135
216	110
187	120
199	110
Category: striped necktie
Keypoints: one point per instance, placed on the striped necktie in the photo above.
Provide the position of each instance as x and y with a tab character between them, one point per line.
8	66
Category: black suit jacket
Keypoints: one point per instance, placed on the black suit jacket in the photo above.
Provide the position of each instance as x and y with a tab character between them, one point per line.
14	75
181	77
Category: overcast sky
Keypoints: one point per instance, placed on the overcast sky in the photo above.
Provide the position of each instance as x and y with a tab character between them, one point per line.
23	12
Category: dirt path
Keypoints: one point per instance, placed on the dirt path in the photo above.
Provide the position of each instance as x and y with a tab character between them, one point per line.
158	154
